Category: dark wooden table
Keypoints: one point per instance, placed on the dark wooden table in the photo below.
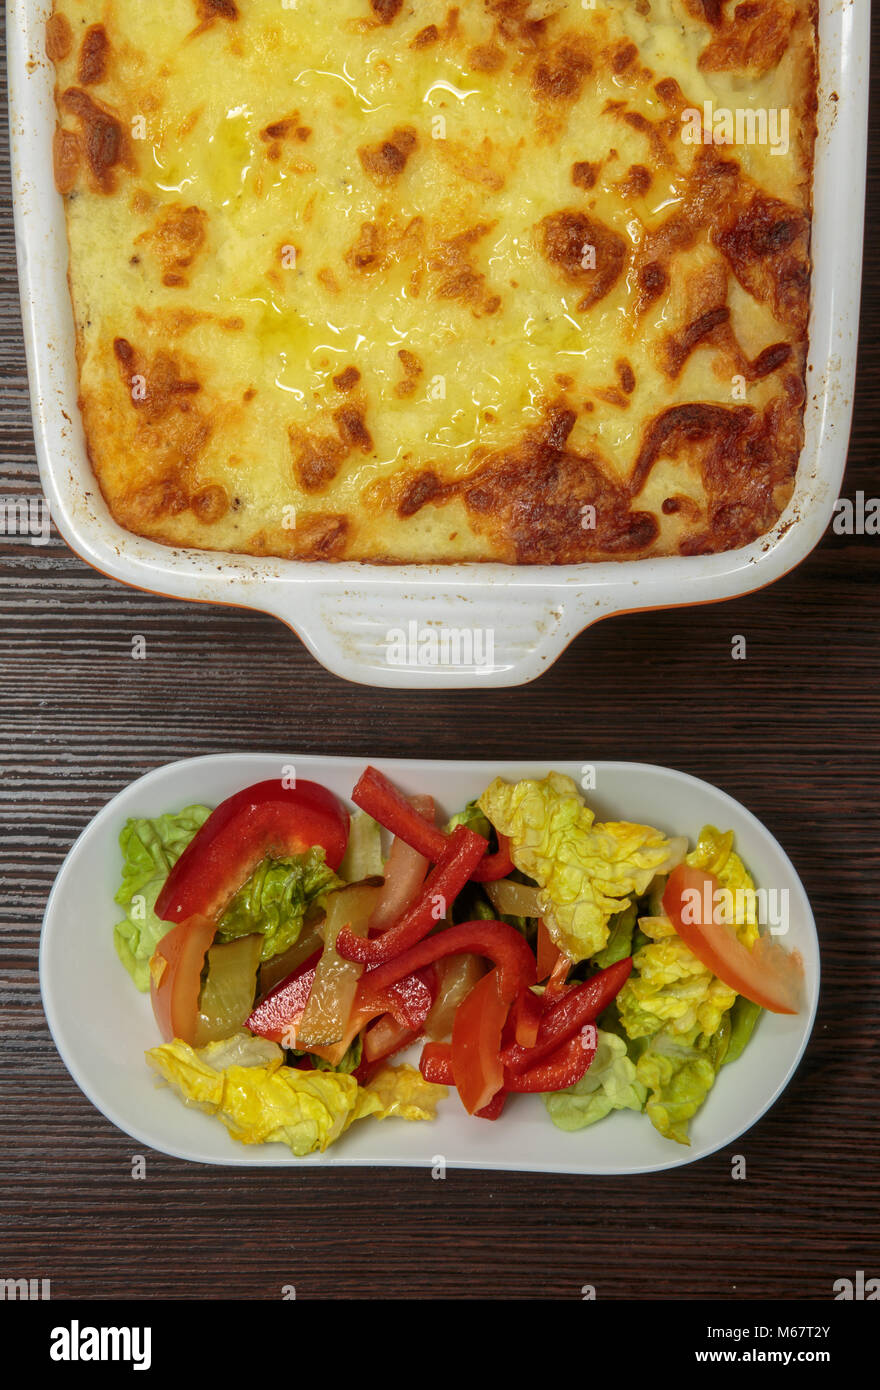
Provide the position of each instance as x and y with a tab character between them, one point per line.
792	731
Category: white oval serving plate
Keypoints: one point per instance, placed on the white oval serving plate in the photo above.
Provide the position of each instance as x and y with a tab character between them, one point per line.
102	1026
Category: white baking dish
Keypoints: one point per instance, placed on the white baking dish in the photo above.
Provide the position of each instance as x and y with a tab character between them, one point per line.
103	1027
344	613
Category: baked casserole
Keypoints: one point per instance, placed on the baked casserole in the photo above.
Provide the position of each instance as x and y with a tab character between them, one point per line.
404	281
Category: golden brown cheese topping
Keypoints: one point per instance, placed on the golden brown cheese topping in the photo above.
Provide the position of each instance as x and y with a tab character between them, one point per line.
399	280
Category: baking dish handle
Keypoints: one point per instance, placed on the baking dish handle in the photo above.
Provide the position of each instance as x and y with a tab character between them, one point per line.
427	639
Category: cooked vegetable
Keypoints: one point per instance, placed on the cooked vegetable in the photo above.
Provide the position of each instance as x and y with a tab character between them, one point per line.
363	854
456	977
515	899
586	872
228	991
336	979
308	945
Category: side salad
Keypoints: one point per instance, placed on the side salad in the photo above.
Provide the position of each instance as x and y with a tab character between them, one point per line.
526	947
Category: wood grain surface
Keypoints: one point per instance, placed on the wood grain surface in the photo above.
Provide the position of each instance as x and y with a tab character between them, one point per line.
792	731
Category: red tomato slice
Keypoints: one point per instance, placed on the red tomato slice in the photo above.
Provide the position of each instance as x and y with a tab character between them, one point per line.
267	818
176	977
476	1043
767	973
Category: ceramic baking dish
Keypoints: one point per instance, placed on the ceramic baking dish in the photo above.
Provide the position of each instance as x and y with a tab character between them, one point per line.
349	615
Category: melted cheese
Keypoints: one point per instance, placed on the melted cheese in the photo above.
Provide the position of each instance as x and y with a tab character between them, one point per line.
413	282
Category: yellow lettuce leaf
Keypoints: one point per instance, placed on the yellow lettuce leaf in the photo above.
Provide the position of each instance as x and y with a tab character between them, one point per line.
270	1103
669	985
587	872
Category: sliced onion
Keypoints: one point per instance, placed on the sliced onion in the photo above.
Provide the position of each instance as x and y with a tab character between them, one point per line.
227	996
456	977
336	978
516	899
405	872
278	968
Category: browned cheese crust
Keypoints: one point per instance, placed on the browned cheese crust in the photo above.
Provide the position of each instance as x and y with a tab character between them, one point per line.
511	280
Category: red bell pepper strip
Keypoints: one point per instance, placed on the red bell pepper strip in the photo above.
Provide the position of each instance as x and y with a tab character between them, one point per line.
561	1068
379	797
498	941
267	818
525	1017
438	893
493	1110
579	1005
276	1017
435	1063
476	1043
411	998
547	951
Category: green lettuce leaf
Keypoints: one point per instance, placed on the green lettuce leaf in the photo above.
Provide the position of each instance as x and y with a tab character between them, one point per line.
743	1017
350	1062
473	818
679	1070
609	1084
275	899
150	848
619	944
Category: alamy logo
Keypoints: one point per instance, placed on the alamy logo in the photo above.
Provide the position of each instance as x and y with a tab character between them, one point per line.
859	1288
75	1343
768	907
25	1289
23	516
465	647
745	126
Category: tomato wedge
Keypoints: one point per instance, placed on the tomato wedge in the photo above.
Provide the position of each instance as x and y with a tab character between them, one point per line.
266	818
176	977
767	973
